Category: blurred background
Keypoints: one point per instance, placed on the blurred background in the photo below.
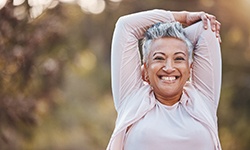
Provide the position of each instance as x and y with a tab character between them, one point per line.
55	90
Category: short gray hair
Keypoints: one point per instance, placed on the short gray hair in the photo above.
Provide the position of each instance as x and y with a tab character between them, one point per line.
160	30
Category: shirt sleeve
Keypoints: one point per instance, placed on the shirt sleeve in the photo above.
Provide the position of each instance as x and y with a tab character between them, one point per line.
125	55
207	66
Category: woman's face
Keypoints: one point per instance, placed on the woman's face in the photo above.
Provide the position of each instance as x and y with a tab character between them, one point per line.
168	67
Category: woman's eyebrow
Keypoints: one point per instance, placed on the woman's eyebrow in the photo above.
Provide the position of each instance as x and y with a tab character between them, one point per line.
159	53
180	53
165	54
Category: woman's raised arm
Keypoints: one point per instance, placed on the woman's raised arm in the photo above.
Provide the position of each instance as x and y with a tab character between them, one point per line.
207	65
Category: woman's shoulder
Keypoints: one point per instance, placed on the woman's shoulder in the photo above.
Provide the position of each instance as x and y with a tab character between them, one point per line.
196	98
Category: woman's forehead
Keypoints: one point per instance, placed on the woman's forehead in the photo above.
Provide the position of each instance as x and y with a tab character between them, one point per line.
168	45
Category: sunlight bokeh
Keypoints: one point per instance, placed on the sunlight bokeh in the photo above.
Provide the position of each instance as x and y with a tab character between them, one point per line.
37	7
116	1
2	3
85	61
92	6
18	2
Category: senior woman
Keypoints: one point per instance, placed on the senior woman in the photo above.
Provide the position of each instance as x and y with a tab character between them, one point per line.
172	103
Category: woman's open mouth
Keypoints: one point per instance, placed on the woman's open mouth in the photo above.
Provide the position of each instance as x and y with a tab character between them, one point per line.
169	78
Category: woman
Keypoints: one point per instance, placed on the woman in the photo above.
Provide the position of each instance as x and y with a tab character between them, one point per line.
175	109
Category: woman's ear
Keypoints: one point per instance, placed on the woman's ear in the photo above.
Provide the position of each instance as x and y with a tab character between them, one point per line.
190	70
191	65
144	73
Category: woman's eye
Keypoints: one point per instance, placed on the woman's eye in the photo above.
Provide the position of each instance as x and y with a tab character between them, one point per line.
179	58
158	58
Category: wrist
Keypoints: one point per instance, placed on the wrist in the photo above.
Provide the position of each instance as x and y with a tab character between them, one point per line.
180	16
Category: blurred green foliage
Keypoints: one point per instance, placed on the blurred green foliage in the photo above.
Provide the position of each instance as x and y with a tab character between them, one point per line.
55	72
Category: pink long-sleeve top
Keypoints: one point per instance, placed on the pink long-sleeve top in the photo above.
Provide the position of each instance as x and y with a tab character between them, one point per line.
191	123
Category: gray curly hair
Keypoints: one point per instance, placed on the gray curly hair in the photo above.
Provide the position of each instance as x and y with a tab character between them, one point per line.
160	30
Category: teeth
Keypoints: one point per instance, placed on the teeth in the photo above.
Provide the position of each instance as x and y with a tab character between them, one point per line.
168	78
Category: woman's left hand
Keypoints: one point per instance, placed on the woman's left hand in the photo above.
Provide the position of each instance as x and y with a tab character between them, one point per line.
193	17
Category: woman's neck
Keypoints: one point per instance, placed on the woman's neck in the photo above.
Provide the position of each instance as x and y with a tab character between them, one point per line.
169	101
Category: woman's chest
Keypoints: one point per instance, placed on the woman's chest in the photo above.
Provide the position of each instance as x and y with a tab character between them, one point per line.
167	127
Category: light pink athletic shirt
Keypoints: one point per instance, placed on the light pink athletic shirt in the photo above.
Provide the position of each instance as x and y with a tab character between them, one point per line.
168	128
135	102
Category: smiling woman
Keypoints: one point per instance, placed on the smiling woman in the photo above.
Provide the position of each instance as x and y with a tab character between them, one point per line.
172	101
168	69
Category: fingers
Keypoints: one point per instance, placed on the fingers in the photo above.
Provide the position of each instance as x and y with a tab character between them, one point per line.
193	17
217	30
213	21
204	18
215	24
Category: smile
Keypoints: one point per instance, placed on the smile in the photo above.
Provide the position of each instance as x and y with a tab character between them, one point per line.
170	79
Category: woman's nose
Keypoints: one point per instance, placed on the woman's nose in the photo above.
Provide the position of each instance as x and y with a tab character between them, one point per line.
169	67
